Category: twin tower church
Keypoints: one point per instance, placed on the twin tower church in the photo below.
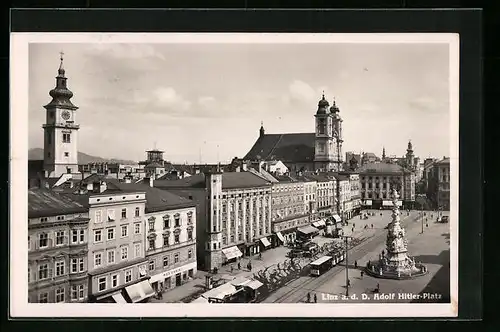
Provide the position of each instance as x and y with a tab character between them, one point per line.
318	151
321	150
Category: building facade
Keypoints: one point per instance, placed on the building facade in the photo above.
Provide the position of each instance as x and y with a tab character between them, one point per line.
288	209
116	251
57	248
442	176
349	193
377	180
60	130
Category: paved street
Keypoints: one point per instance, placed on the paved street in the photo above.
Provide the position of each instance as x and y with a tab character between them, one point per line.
432	242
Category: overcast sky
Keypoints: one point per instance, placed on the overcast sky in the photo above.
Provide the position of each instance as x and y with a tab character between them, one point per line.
190	97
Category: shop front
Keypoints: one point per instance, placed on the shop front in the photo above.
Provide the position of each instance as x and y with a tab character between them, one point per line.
172	278
388	204
138	292
280	239
320	224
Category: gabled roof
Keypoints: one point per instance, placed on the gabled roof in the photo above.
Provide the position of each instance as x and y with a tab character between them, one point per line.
230	180
382	168
297	147
193	181
45	203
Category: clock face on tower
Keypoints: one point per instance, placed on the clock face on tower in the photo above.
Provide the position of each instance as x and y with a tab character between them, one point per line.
65	115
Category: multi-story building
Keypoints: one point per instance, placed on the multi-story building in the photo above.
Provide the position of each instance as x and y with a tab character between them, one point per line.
343	196
170	232
234	215
325	194
288	208
116	249
440	184
349	194
310	190
377	180
57	248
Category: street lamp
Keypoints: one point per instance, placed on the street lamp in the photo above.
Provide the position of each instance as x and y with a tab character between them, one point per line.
346	237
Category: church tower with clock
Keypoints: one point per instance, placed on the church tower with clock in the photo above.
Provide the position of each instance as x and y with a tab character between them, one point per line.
60	130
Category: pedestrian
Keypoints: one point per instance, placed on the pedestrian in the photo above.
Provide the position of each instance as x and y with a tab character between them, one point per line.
348	282
353	225
355	264
372	225
308	297
239	266
315	298
260	255
232	268
362	273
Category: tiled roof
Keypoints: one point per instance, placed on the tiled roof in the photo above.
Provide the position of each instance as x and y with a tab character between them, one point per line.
381	168
242	180
230	180
443	161
156	199
341	177
44	203
285	147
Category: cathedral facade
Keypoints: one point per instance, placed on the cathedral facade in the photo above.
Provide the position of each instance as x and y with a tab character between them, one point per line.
320	150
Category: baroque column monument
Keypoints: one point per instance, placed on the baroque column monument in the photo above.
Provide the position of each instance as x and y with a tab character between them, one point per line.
394	262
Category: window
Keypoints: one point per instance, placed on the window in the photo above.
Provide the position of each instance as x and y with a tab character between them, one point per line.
111	234
59	268
43	240
190	234
98	217
190	218
165	261
111	215
176	257
166	222
124	251
177	218
137	228
114	280
43	271
60	295
77	265
66	138
59	238
124	213
166	240
176	238
124	229
82	235
66	154
77	292
29	242
137	212
190	253
151	265
151	226
43	297
128	276
29	273
74	236
97	235
97	259
137	249
111	256
151	245
101	284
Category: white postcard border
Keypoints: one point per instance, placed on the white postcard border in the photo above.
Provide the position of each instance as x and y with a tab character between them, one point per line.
19	306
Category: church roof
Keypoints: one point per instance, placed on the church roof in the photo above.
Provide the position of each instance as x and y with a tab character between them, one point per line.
297	147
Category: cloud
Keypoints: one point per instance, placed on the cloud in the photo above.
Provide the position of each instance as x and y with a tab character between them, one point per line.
125	51
168	97
301	91
426	104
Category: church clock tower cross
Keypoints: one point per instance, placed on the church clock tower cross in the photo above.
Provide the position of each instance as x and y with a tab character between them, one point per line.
60	129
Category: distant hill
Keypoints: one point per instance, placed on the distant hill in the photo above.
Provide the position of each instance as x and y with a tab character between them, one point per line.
83	158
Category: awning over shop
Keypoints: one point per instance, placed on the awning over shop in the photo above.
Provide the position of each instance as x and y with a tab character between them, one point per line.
316	224
322	222
336	217
368	202
254	284
220	292
232	252
265	241
281	237
308	230
140	291
118	297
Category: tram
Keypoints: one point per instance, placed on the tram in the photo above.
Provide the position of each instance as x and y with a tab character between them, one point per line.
321	265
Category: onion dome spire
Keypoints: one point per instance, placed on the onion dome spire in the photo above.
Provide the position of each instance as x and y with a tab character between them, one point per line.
334	108
323	105
61	95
